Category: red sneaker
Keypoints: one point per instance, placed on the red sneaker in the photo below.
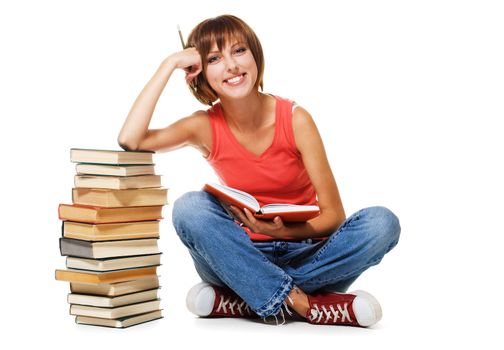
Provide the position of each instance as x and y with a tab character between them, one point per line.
206	300
355	309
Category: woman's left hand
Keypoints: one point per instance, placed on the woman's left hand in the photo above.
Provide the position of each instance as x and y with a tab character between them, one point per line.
273	228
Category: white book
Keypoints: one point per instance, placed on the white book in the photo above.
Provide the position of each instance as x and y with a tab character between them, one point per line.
104	301
115	312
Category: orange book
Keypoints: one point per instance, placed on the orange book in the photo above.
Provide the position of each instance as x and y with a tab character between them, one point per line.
288	212
102	215
93	277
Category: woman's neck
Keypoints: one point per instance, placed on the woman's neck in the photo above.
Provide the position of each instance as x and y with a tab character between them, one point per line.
245	115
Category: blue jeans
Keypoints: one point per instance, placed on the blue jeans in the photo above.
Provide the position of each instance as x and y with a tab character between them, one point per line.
263	273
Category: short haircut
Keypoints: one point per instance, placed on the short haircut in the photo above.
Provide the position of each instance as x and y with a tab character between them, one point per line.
222	29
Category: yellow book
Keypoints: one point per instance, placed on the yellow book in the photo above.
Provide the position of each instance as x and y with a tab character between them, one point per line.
105	197
102	215
103	277
116	288
110	232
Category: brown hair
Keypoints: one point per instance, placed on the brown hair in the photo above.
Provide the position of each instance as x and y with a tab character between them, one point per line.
221	29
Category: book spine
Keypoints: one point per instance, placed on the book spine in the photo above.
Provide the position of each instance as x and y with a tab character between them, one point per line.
76	247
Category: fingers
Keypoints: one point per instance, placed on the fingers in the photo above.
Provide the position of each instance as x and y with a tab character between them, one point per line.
256	225
188	60
238	212
278	221
194	69
249	215
191	75
240	216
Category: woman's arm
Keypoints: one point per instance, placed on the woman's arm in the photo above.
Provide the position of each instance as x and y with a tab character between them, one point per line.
332	215
311	147
134	134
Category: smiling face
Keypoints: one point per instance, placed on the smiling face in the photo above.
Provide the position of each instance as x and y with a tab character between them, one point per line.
233	61
231	72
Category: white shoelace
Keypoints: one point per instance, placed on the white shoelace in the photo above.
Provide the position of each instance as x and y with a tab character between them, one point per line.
226	305
331	313
281	312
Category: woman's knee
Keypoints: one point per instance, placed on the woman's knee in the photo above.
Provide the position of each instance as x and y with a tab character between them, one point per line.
385	226
188	208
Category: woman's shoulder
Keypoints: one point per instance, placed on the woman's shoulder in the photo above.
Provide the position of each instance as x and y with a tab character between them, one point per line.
198	119
199	115
287	102
199	124
301	118
201	120
299	114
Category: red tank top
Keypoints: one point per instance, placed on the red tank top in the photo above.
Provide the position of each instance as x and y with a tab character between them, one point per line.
278	175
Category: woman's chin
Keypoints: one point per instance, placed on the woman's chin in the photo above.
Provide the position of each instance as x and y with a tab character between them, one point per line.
235	93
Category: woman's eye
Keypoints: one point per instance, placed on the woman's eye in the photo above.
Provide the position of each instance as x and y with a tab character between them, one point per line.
241	49
212	59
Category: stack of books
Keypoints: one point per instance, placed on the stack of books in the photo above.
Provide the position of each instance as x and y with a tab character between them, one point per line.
110	237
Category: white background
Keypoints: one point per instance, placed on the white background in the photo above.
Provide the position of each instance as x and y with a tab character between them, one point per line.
406	95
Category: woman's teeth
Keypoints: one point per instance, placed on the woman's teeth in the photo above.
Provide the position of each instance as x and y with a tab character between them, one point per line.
235	80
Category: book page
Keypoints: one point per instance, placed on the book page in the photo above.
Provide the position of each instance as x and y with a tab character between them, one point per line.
237	194
277	208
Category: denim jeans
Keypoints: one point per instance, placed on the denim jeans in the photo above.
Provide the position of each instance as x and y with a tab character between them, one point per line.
263	273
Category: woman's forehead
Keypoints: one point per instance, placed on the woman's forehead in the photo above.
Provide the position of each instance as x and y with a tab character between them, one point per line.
225	40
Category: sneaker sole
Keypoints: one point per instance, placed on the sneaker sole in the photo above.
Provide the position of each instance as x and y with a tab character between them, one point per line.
366	308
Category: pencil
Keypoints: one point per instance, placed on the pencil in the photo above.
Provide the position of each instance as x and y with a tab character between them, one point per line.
181	38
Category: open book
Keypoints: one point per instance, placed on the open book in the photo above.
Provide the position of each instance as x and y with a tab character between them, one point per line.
240	199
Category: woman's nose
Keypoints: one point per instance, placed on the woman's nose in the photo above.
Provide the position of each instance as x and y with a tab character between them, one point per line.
231	64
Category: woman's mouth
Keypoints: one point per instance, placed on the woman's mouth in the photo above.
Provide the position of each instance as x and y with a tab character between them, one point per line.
236	80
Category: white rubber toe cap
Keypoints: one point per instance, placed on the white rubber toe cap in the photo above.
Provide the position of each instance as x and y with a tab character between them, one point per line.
366	308
200	299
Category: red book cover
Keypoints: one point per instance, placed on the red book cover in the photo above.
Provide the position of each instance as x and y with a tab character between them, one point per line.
295	213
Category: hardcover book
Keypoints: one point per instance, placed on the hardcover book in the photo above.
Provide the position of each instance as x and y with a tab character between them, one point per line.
92	277
102	215
115	312
110	232
116	288
110	264
108	249
100	156
102	197
114	170
102	301
117	182
288	212
122	322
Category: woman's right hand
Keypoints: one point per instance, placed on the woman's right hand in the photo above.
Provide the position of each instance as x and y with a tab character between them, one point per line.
190	61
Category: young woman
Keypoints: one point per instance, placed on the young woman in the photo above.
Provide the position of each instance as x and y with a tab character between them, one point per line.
269	147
